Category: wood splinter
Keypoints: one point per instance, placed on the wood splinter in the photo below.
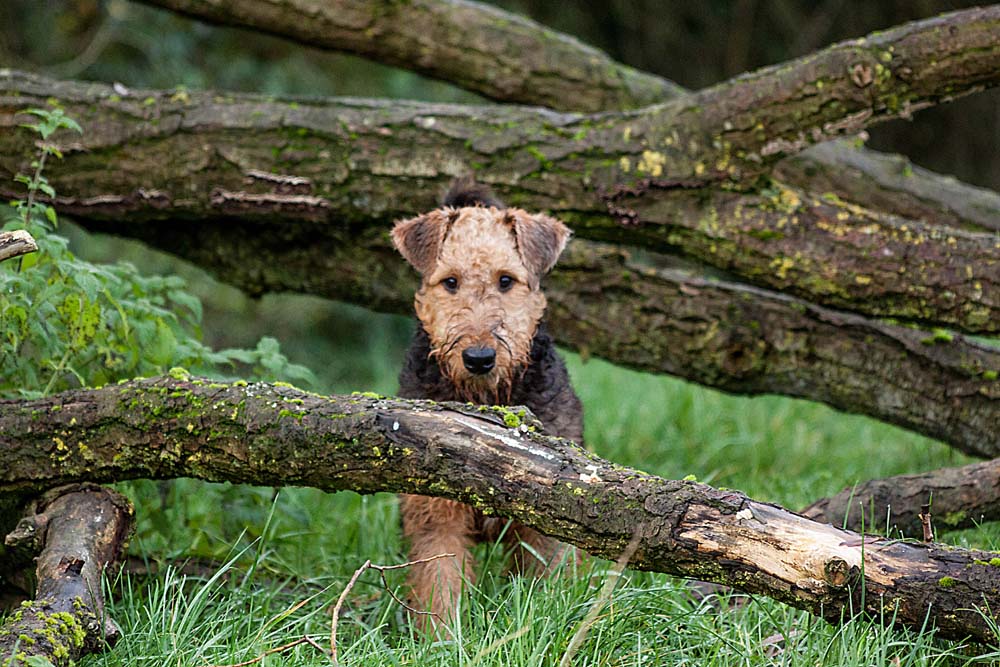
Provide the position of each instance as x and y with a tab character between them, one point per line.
925	522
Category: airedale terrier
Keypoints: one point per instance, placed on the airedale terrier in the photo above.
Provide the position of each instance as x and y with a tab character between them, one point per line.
480	339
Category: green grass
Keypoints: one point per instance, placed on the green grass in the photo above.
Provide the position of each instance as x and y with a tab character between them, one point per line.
289	555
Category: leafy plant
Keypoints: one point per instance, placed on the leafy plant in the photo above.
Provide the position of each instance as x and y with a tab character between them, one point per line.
68	323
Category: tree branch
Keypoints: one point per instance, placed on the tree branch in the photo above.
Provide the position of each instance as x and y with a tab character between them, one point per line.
350	164
75	533
587	81
960	497
473	45
890	183
263	434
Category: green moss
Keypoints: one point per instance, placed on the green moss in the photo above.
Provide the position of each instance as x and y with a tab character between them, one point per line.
953	518
179	373
989	375
938	336
946	582
367	394
540	156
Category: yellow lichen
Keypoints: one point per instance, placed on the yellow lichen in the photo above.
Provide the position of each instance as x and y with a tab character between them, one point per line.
652	163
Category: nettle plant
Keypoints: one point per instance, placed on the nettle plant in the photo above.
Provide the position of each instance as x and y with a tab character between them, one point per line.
67	323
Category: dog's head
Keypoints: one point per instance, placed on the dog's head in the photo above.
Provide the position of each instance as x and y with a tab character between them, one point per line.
479	298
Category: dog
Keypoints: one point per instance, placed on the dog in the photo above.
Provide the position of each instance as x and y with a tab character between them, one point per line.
481	338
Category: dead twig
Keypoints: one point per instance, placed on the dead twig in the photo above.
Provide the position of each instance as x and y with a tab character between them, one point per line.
276	649
925	522
382	569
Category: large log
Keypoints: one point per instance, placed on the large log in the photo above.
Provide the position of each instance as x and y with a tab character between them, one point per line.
493	459
541	67
344	166
476	46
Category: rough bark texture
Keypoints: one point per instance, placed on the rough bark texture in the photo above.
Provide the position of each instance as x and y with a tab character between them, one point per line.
75	533
883	182
475	46
276	435
959	497
15	244
746	340
890	183
160	158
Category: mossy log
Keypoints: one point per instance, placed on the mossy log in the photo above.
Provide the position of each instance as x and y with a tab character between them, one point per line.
466	43
75	533
676	176
961	497
476	46
496	460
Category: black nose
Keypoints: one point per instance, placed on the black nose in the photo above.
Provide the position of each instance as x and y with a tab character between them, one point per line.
479	360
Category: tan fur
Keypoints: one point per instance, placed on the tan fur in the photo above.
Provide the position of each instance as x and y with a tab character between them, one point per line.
474	245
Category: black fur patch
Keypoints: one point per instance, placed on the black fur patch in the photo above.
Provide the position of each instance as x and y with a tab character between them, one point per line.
466	192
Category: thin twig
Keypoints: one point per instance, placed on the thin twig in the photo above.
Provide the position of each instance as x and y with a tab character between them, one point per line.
602	599
368	565
276	649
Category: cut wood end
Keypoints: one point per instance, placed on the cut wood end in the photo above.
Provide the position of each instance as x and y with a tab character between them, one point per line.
16	243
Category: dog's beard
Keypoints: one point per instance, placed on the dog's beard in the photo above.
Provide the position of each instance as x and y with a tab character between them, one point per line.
493	388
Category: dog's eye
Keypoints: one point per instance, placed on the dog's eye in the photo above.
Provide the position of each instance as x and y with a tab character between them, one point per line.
450	284
505	282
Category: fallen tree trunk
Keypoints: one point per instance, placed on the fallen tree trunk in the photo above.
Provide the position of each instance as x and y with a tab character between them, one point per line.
552	70
276	435
75	533
653	178
961	497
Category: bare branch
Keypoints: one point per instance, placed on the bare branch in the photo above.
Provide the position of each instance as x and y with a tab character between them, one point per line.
473	45
961	497
587	81
75	533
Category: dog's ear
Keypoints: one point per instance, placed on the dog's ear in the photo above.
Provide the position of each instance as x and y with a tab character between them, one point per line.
540	240
419	239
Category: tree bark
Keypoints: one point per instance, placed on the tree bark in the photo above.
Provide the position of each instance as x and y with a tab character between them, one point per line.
962	497
587	81
475	46
493	459
891	184
16	243
347	166
76	533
